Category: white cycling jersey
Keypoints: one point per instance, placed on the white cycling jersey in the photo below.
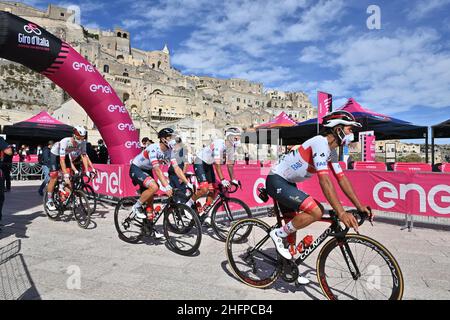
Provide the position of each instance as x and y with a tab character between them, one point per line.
217	152
68	146
313	156
153	156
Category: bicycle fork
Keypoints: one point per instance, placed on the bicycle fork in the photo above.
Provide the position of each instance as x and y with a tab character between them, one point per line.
349	259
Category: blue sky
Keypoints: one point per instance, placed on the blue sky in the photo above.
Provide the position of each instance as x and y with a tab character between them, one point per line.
402	69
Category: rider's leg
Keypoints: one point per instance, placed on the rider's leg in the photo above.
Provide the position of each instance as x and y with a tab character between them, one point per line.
310	213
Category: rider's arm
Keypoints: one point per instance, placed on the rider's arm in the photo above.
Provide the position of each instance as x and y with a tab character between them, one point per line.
161	176
219	171
330	193
86	162
74	169
231	171
179	172
347	188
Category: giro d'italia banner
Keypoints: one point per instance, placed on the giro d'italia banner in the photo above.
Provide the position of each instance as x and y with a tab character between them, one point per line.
27	43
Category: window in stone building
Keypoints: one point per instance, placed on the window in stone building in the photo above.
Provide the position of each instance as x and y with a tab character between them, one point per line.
62	14
125	36
159	64
153	66
119	34
125	74
106	68
238	99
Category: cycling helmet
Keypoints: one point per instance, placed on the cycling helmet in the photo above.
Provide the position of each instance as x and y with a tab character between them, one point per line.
233	131
340	117
79	132
165	133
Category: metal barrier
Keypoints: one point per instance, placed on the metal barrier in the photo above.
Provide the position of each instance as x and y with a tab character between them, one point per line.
26	170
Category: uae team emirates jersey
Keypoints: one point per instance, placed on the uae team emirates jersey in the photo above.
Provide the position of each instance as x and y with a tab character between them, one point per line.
313	156
153	156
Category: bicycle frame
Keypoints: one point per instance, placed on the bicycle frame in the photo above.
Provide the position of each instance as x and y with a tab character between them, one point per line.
308	251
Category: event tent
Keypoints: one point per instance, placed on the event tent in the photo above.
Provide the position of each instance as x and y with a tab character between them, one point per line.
280	121
385	127
441	130
38	130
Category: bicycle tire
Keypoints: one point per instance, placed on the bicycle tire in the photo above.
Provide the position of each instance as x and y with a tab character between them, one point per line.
52	215
261	230
373	282
127	204
92	196
80	209
222	227
189	226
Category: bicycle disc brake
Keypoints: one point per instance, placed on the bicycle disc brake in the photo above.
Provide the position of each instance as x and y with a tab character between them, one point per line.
289	271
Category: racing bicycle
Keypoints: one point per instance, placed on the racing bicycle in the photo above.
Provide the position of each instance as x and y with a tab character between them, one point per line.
225	210
349	266
182	227
74	199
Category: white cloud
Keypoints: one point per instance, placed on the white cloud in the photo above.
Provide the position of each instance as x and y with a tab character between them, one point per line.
389	73
423	9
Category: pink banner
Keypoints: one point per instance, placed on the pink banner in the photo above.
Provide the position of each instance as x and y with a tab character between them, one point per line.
324	104
369	148
425	194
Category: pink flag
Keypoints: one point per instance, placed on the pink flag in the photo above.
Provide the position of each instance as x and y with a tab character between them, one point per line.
325	105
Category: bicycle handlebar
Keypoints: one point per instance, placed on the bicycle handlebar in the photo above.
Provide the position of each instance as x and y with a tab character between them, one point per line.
363	216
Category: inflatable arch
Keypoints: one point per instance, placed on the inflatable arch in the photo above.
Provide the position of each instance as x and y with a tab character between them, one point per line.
30	45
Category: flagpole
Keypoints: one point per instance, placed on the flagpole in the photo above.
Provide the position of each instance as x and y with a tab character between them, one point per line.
318	111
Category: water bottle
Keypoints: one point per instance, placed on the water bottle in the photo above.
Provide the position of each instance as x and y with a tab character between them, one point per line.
305	243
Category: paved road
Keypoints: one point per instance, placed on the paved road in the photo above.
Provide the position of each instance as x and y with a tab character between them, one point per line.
41	259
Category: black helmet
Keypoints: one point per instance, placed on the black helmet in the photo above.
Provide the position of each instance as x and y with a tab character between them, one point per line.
165	133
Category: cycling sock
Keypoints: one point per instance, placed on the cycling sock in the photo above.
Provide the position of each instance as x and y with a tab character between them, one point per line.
50	196
286	230
138	204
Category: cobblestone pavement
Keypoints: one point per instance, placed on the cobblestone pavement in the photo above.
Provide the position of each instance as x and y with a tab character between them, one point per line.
40	259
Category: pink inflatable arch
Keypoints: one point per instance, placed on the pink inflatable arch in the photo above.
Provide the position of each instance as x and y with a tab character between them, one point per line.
30	45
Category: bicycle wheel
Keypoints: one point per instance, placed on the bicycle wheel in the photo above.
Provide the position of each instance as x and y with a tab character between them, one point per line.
182	229
53	215
226	213
129	229
375	273
92	197
254	258
80	209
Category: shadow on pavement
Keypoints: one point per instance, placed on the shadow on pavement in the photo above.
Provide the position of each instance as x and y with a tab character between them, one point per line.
312	290
16	282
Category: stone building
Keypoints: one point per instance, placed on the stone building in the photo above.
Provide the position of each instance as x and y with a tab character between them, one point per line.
154	93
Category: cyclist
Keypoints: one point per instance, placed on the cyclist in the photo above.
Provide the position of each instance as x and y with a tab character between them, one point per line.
316	155
150	159
210	158
58	153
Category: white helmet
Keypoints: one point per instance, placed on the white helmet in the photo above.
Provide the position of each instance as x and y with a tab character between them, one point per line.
231	134
79	132
340	117
233	131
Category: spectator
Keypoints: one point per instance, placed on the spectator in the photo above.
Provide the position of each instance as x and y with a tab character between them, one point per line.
145	142
247	158
6	167
180	153
24	153
5	149
102	152
44	160
92	153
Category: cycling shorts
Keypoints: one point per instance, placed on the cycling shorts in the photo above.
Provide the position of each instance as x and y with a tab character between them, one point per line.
140	176
204	172
288	196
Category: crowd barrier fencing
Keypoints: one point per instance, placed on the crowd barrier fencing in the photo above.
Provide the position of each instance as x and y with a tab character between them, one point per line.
26	170
411	193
